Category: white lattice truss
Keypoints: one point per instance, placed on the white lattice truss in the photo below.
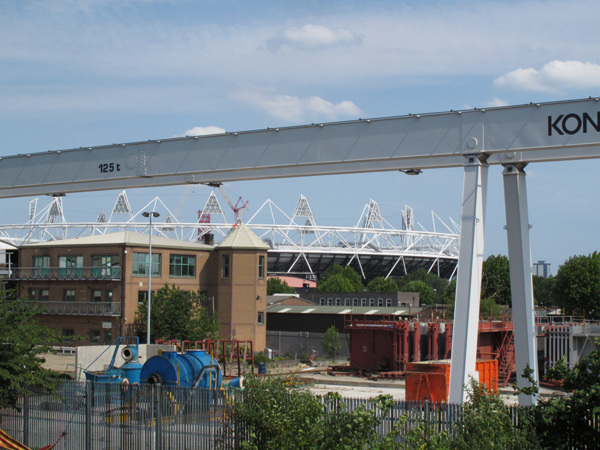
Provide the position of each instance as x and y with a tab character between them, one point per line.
297	234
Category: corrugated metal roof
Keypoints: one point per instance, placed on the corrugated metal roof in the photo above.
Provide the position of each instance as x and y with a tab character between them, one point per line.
242	237
130	238
357	310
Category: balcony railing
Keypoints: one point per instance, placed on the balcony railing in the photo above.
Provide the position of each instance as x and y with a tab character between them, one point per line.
81	308
66	273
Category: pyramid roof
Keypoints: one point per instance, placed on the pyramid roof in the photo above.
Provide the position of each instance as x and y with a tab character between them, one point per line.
242	237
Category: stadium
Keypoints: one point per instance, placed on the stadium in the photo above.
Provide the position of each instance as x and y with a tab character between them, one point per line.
299	246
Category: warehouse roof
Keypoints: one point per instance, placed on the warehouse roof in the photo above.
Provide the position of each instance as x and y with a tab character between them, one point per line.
130	238
356	310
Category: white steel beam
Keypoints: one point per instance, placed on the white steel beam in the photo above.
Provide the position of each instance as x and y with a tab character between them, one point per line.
468	285
508	135
521	285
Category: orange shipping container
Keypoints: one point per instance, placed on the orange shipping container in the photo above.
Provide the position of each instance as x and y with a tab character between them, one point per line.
430	380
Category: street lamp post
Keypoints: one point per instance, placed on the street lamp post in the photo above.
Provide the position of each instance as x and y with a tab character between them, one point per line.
149	214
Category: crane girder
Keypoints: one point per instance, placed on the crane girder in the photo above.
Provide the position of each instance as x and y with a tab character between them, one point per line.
523	134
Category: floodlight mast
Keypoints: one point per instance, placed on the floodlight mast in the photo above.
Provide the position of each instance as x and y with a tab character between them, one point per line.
512	136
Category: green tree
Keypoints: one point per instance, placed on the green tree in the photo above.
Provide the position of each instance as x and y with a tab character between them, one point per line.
489	308
340	279
178	314
568	422
426	293
577	285
330	342
448	298
543	291
382	284
495	281
485	423
23	341
279	414
436	283
278	286
450	293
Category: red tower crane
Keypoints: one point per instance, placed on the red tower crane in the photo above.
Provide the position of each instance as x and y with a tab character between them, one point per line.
237	209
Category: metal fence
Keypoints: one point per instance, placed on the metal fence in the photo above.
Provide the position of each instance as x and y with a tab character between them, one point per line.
109	416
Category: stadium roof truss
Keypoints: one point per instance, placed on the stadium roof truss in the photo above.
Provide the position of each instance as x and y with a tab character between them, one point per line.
298	245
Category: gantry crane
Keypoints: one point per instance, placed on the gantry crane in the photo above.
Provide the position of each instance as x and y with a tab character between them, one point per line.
474	139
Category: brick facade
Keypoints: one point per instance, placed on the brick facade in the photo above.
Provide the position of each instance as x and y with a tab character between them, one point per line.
100	302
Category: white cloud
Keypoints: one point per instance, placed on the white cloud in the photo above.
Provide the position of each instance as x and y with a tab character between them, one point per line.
496	102
311	36
294	109
201	131
553	76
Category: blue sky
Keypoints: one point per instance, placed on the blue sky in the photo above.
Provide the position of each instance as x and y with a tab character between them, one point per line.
83	73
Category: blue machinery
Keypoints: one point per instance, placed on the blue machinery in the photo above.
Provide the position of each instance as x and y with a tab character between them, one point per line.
195	370
192	369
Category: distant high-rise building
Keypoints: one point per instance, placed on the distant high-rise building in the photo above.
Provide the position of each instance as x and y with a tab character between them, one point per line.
542	269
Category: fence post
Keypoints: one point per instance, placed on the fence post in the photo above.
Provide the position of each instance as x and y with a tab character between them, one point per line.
158	415
26	419
427	418
88	414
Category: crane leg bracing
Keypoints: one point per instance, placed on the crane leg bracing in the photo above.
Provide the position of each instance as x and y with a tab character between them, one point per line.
468	284
512	137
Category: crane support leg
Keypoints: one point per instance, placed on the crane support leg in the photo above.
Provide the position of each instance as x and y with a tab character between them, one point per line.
468	285
521	284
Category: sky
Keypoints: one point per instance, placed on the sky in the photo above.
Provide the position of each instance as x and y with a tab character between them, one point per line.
79	73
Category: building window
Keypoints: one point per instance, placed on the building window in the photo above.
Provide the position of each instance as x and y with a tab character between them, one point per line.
95	337
371	302
32	294
69	295
363	302
109	296
338	302
225	266
322	301
388	302
44	295
41	266
143	296
379	302
347	302
68	334
141	262
182	266
107	337
106	266
261	266
261	318
70	266
97	296
354	302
